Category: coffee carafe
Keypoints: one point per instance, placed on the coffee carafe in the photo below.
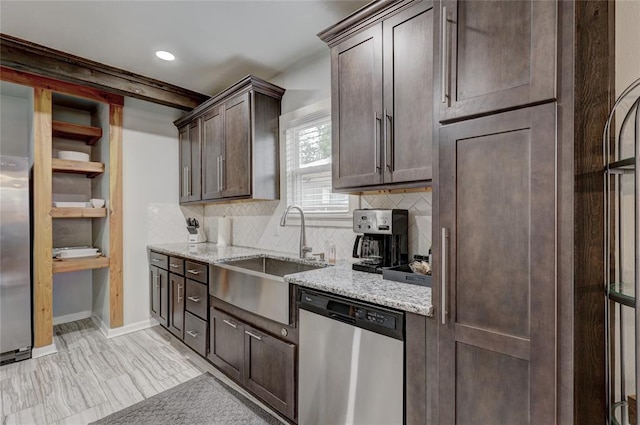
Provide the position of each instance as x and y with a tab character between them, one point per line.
384	239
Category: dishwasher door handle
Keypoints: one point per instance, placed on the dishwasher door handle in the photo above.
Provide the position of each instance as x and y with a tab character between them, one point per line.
340	318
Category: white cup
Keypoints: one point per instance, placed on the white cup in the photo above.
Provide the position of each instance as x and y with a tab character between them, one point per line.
97	203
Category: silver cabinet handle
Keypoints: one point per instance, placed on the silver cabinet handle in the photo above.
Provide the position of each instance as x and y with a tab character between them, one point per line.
252	335
193	333
193	271
184	180
443	273
174	266
376	130
233	325
388	154
155	260
218	173
445	57
222	167
180	297
158	280
194	299
189	181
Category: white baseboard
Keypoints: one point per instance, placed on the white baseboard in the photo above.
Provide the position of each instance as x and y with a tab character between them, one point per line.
72	317
37	352
122	330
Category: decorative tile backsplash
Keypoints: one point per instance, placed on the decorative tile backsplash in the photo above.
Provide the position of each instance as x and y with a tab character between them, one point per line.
257	224
166	223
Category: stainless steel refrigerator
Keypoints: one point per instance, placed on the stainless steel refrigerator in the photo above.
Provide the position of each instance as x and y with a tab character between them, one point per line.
15	265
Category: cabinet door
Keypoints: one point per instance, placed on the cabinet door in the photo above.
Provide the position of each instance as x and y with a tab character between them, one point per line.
498	55
408	94
185	162
212	141
154	292
497	346
226	343
356	102
193	184
236	179
163	280
176	305
269	370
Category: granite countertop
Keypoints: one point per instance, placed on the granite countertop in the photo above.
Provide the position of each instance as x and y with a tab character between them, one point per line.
339	279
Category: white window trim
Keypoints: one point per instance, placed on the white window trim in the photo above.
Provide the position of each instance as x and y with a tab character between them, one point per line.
311	219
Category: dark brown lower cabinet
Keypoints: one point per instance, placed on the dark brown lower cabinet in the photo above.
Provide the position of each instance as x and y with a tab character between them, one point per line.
497	338
269	369
176	305
195	333
159	294
263	364
226	343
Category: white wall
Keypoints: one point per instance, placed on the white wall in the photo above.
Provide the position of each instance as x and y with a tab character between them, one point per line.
150	176
305	83
15	109
627	69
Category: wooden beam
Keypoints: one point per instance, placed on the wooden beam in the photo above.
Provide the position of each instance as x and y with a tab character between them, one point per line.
23	55
32	80
116	318
43	235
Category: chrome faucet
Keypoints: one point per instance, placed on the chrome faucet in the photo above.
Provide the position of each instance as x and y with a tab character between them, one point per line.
304	249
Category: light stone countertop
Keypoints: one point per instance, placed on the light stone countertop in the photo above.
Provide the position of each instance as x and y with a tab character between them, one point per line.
339	279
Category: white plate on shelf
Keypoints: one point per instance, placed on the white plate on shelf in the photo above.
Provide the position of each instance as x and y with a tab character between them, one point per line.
78	252
70	204
73	156
82	257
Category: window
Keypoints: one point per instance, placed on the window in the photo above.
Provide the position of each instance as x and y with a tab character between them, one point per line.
307	136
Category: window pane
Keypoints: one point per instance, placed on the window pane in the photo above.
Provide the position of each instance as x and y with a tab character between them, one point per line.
309	168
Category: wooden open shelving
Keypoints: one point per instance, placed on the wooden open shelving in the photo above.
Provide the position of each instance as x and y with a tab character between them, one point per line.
60	266
84	133
78	212
91	169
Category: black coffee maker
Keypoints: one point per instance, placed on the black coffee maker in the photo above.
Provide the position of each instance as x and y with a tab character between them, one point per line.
384	242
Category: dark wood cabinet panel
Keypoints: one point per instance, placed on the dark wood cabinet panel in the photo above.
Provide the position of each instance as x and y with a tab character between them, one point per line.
176	265
269	370
196	298
236	166
356	96
499	55
176	304
159	294
497	196
196	271
195	333
226	344
408	94
185	161
212	146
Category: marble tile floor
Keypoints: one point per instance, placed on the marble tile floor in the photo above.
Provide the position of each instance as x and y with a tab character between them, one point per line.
91	376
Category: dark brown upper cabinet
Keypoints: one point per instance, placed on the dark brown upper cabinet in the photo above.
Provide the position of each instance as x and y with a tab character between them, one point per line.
496	55
236	133
189	136
382	96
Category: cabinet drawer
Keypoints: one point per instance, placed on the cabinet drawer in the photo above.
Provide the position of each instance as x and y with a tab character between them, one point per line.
195	333
197	298
176	265
196	271
159	260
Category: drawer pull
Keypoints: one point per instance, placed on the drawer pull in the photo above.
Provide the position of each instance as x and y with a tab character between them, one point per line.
193	334
155	260
180	297
233	325
193	271
174	266
253	335
194	299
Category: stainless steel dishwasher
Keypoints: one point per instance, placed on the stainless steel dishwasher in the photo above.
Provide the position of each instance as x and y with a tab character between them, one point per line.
351	362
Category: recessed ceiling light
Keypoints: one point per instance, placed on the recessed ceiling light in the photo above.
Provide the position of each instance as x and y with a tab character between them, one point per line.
165	56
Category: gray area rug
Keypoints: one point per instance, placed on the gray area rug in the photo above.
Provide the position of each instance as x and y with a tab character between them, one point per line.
202	400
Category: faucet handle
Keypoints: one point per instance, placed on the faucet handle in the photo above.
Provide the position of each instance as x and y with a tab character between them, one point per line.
320	255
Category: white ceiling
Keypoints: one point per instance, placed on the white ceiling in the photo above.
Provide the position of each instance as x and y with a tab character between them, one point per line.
215	42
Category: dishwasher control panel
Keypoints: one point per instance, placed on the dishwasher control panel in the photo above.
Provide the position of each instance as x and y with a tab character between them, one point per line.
375	318
381	319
